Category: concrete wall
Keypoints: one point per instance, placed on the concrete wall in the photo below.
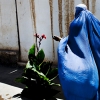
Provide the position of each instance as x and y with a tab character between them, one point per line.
49	17
8	26
21	19
9	48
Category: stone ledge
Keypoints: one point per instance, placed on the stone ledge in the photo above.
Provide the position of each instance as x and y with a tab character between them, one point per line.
8	57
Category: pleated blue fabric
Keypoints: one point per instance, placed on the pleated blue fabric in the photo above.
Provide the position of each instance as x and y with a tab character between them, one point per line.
79	57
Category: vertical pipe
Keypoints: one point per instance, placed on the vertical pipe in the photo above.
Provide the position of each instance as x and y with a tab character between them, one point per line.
19	52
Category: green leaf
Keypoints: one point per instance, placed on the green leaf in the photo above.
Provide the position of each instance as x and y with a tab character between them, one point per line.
45	67
49	67
31	54
55	84
28	74
24	80
53	73
35	65
40	56
53	78
41	75
20	80
28	65
32	50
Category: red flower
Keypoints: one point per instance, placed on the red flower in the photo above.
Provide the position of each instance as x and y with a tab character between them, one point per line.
37	35
43	36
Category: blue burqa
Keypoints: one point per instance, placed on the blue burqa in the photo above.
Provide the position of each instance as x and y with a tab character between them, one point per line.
79	58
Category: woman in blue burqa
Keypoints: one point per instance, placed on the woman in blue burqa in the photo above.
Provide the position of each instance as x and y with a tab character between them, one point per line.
79	57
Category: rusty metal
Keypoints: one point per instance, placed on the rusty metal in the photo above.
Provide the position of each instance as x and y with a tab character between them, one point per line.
71	10
33	14
86	2
51	16
69	14
32	3
93	6
60	17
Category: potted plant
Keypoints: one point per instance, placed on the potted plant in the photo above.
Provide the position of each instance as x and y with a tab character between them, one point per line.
38	75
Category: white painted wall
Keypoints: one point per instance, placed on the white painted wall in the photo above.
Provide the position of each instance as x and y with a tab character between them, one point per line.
55	27
8	27
44	24
94	7
26	28
49	17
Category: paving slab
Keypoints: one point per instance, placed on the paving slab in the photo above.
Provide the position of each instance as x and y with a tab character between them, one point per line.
8	92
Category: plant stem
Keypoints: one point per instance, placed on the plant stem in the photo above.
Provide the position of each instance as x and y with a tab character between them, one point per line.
37	45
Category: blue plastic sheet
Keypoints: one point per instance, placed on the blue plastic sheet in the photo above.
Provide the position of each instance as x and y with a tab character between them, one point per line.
79	58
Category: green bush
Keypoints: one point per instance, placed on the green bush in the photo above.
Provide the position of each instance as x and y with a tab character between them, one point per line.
38	76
